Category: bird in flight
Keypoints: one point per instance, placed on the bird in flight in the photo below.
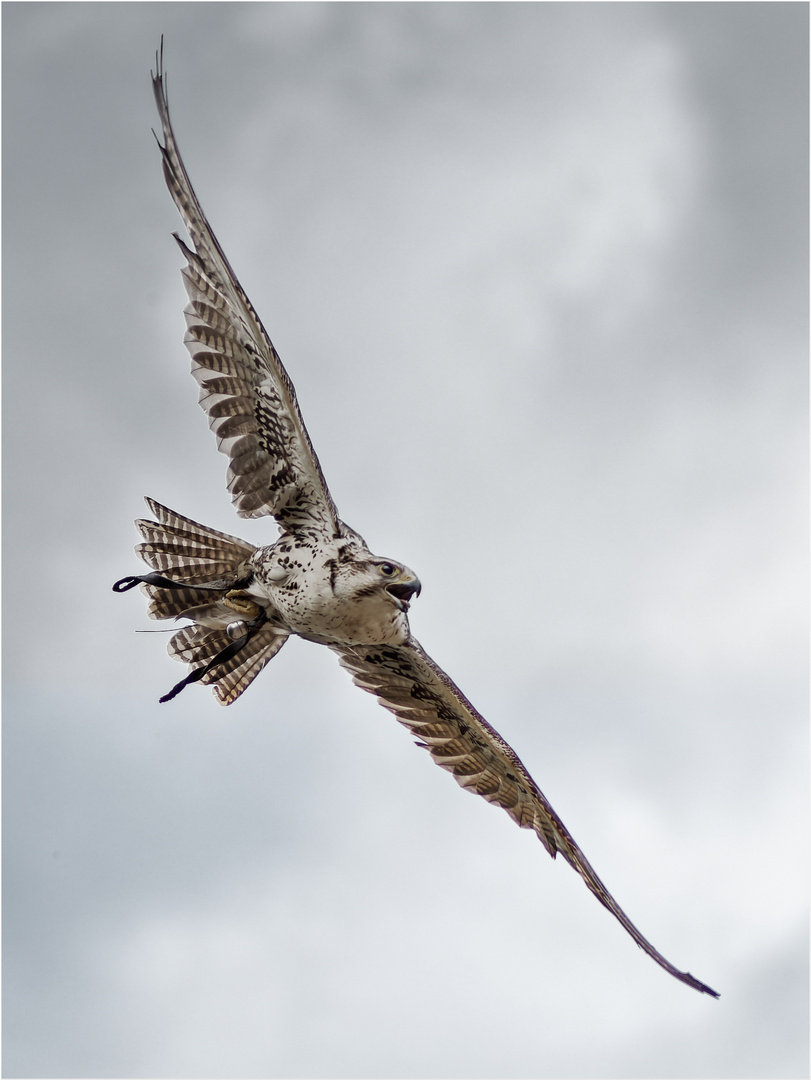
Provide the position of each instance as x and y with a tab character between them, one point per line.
318	580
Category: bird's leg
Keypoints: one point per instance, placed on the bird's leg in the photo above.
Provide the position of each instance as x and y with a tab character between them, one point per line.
228	653
242	604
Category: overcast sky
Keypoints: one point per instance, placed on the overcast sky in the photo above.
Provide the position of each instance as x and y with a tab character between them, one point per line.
539	274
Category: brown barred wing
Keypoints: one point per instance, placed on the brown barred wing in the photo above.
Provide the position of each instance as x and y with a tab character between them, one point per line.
244	388
406	681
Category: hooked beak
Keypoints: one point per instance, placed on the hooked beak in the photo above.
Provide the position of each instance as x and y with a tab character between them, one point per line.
403	592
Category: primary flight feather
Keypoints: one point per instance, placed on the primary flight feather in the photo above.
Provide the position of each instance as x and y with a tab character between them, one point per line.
318	580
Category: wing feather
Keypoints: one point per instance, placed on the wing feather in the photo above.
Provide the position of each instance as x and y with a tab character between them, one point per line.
244	387
406	681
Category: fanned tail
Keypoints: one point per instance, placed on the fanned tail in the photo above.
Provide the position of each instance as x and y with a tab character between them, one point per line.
199	574
189	553
205	651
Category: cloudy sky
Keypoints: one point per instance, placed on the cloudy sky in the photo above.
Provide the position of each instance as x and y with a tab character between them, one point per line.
538	272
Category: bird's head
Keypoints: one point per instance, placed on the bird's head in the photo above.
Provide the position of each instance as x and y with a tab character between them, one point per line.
371	597
400	583
357	575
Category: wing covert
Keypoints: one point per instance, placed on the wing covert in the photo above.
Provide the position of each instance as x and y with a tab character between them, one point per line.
408	683
244	389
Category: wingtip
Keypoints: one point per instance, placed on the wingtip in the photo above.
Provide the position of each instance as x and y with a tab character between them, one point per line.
692	981
160	86
157	75
703	988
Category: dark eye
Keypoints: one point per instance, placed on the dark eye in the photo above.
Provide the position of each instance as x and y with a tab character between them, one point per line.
387	568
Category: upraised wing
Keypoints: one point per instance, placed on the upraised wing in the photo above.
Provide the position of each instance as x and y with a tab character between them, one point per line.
406	681
244	389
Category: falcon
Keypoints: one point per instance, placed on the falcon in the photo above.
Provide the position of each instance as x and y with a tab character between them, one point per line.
319	580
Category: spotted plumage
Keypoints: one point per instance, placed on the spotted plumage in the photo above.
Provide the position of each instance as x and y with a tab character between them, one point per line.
318	580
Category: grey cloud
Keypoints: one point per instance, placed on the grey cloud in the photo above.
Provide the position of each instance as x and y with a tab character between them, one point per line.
539	273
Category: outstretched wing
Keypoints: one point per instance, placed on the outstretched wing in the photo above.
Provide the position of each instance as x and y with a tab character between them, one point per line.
244	389
422	697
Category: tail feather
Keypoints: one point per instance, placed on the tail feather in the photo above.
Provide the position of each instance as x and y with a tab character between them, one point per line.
183	526
194	570
173	603
197	645
191	553
206	564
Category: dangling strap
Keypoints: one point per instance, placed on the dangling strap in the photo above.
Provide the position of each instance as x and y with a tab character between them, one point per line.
224	655
124	584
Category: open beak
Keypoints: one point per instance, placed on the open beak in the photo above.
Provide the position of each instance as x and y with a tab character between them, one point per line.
403	592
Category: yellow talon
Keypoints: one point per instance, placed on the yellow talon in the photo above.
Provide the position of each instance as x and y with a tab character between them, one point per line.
241	603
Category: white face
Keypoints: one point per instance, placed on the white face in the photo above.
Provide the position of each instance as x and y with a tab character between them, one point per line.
370	601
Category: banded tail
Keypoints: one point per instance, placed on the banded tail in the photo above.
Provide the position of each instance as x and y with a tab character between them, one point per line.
199	575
